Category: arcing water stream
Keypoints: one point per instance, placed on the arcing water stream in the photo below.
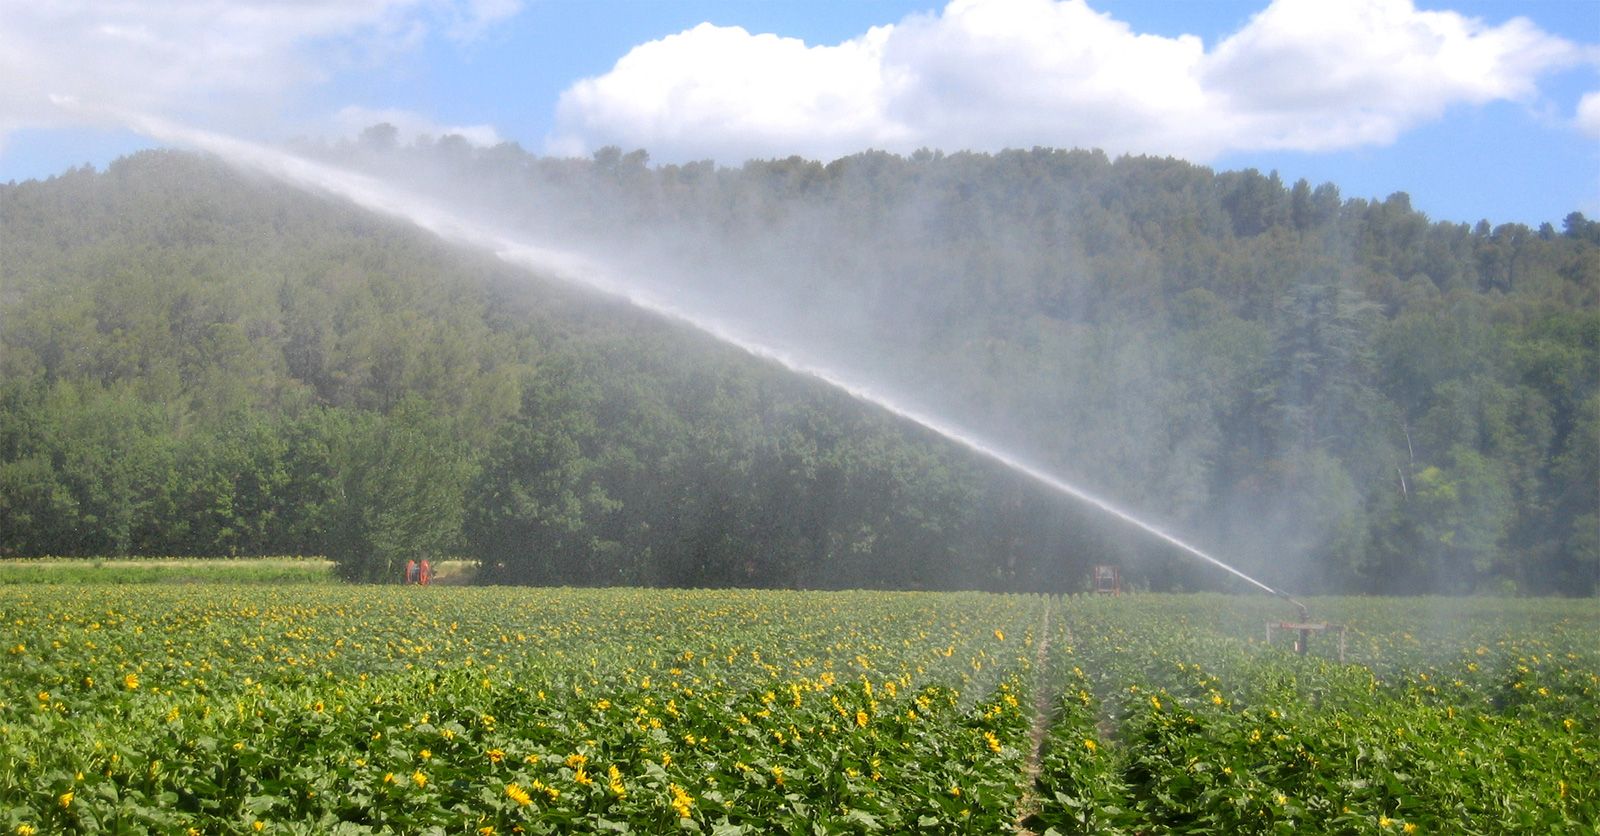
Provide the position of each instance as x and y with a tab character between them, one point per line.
578	270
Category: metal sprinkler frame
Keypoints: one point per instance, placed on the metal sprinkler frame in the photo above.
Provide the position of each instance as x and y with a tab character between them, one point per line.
1305	627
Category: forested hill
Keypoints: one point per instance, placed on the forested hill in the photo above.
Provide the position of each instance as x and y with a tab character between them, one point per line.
1334	393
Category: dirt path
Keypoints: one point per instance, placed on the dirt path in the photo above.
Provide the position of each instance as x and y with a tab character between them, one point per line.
1041	724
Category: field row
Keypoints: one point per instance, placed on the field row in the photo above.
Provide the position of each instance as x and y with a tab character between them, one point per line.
335	709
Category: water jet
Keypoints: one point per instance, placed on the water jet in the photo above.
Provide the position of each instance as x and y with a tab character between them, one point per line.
583	271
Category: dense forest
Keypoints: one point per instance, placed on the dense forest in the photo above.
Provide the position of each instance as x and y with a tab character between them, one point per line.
1332	393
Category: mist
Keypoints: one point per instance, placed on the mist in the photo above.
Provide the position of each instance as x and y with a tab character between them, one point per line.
851	289
1112	322
776	300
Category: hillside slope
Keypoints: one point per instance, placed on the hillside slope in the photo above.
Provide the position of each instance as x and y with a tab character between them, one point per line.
1335	393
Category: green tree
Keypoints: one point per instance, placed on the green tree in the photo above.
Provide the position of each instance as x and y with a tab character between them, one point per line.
535	506
399	494
1463	509
234	487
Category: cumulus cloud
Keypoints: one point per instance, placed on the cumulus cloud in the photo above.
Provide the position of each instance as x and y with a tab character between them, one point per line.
235	63
718	89
1313	76
986	74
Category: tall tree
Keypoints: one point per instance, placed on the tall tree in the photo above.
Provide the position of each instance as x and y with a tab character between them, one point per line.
400	493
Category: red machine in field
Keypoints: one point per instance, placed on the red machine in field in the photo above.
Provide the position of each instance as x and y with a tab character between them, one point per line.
419	573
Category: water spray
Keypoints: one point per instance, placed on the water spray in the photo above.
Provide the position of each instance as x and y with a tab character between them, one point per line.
584	272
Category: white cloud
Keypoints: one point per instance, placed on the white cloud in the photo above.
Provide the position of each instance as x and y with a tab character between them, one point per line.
1588	117
1027	72
233	62
986	74
410	125
698	88
1315	75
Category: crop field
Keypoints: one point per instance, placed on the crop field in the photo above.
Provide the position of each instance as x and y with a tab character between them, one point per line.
215	708
171	570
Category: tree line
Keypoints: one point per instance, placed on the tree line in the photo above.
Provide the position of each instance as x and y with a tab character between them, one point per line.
1337	394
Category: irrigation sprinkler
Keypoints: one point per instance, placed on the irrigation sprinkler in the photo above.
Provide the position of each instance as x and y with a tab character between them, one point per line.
1304	628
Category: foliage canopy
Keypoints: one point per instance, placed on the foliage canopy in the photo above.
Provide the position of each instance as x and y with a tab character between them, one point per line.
1336	393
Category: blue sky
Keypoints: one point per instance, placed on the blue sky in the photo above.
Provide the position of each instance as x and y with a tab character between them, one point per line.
1477	109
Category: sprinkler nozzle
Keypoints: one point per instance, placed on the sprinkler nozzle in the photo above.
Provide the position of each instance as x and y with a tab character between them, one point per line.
1305	614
